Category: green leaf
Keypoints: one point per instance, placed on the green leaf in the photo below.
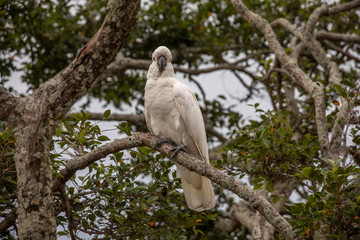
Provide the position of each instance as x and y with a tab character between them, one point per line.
107	114
306	172
103	138
152	198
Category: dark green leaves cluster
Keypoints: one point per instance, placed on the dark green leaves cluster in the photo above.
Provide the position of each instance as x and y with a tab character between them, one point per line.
333	203
268	148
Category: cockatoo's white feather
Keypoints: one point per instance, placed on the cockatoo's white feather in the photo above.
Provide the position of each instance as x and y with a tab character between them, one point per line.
172	111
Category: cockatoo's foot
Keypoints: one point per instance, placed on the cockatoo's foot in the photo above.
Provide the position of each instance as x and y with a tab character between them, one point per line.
161	141
177	149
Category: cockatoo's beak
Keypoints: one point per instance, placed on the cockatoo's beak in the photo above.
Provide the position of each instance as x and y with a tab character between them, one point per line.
161	63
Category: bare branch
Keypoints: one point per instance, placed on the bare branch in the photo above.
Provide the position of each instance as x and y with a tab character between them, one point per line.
346	53
343	7
331	67
320	35
68	211
221	66
242	213
326	10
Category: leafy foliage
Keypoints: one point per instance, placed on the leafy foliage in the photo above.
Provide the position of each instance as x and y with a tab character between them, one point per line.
126	195
331	206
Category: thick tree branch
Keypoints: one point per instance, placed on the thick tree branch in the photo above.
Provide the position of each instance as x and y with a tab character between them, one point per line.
325	10
343	7
331	67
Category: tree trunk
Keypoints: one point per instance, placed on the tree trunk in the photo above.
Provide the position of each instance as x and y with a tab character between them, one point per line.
35	200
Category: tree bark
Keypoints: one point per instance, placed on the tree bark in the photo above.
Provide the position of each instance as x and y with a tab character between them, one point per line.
35	117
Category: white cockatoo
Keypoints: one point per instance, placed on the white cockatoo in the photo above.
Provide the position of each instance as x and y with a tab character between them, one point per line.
172	111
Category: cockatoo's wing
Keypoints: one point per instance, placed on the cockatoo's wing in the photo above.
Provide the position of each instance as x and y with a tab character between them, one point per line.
190	112
198	191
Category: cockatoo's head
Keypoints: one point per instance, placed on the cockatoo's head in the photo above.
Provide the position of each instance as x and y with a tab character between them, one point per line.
162	56
161	64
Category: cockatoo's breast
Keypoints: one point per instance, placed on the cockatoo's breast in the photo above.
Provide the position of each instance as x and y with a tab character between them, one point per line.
165	119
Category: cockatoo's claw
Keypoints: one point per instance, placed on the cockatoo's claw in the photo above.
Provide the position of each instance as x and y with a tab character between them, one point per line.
161	141
177	149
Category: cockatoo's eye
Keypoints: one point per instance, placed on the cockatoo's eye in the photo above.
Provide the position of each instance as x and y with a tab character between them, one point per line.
153	59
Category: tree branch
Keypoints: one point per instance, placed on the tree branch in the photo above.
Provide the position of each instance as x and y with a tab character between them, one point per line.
320	35
343	7
313	88
91	157
241	212
336	48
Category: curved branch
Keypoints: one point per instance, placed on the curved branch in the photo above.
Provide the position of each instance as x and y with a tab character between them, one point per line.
91	157
325	10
